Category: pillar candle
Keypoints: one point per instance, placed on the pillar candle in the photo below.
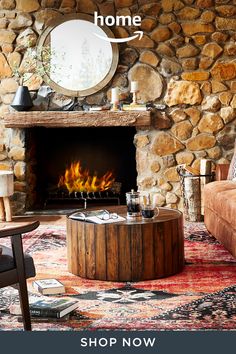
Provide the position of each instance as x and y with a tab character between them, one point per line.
134	86
115	95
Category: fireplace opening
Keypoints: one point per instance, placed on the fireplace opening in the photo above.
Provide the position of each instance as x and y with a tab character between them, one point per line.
77	167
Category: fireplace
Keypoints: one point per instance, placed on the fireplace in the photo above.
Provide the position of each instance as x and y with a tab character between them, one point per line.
101	161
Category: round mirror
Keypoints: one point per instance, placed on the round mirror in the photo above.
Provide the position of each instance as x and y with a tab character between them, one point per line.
76	61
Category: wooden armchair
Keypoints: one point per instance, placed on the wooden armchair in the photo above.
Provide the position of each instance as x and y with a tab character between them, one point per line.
15	267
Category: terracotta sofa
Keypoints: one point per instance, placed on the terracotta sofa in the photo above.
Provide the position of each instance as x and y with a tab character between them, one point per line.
220	209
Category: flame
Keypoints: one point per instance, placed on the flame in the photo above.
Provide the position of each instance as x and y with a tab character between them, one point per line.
76	179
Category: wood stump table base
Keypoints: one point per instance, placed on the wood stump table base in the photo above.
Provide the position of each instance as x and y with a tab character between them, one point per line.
129	250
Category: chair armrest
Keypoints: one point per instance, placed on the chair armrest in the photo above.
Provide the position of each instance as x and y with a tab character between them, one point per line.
221	172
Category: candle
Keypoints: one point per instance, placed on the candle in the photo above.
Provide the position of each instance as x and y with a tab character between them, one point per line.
134	86
115	95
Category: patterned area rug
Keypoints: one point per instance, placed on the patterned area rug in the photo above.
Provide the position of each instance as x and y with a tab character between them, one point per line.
202	297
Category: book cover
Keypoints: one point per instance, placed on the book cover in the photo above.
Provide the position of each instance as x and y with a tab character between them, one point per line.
135	107
49	286
56	308
97	216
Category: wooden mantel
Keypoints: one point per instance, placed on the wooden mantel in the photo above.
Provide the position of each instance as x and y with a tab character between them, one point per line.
62	119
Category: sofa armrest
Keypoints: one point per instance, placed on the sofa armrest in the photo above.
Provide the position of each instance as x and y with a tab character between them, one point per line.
221	172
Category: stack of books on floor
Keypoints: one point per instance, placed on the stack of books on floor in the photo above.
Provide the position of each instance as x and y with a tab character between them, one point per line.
45	307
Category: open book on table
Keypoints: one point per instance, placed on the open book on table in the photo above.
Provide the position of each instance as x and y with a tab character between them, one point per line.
101	216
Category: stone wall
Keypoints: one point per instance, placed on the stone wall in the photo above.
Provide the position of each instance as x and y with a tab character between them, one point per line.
184	62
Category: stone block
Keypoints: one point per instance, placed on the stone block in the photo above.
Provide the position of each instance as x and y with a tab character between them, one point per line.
20	170
8	85
188	13
188	50
88	6
22	20
166	18
210	123
182	130
193	28
224	71
27	6
170	5
227	114
230	49
107	9
233	86
212	50
199	39
170	67
205	3
17	153
214	153
201	142
175	27
164	49
148	24
168	161
150	58
129	56
205	63
233	102
189	63
147	182
141	141
219	37
161	34
7	4
195	76
206	88
152	9
218	86
211	104
194	115
225	24
207	16
226	10
225	98
184	157
7	36
182	92
226	137
155	166
5	70
171	175
163	144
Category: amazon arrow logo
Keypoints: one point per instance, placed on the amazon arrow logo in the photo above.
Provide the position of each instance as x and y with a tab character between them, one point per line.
121	40
118	21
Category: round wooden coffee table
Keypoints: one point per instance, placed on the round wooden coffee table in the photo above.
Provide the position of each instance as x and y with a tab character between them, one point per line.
128	250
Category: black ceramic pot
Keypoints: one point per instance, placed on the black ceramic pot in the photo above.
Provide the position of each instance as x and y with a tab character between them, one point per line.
22	100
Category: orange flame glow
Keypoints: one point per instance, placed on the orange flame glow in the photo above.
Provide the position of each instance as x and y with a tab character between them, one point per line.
76	179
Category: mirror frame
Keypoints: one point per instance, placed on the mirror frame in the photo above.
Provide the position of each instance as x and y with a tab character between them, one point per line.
80	93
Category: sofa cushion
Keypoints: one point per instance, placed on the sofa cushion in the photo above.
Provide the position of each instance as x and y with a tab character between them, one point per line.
232	166
7	263
220	197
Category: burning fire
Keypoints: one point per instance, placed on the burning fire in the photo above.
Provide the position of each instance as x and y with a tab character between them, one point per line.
76	179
